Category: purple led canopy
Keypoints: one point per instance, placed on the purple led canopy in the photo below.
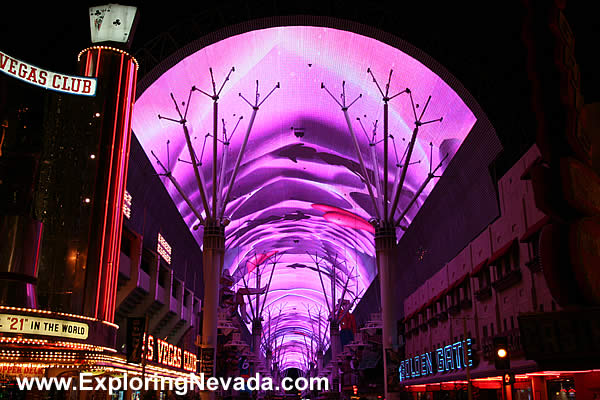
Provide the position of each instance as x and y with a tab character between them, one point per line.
299	189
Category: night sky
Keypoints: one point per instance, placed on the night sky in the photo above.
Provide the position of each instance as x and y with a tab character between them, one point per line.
51	36
480	43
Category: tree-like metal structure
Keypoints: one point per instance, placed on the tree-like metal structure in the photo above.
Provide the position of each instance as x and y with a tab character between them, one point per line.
270	338
337	307
257	294
319	340
385	204
212	216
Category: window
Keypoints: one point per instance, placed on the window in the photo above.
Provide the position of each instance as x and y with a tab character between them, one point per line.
507	262
534	245
512	323
484	278
485	331
175	288
492	329
147	258
163	276
126	245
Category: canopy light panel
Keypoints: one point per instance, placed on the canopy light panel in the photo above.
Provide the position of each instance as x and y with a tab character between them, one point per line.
299	190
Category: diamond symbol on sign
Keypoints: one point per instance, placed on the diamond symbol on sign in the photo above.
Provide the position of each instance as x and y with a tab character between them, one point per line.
117	22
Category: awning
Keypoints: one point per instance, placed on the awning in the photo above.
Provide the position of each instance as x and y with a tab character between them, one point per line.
458	282
534	228
439	296
412	314
479	267
526	175
503	250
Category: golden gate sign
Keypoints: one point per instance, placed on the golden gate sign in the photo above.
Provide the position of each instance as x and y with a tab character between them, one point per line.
47	79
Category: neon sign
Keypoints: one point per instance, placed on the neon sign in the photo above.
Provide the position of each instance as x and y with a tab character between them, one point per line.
127	204
170	355
164	249
444	359
47	79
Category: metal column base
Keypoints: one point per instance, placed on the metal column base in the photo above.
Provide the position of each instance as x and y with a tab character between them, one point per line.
212	257
385	246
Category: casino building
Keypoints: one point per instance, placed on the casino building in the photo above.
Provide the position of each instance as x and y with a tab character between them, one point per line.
260	200
495	288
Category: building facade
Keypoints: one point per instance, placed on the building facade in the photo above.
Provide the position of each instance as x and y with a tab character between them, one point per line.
488	291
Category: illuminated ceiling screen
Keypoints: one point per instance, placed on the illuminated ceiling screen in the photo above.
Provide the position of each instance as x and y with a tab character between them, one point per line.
299	190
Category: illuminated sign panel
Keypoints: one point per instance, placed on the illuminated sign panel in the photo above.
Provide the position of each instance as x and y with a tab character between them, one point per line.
445	359
28	369
47	79
111	23
127	204
170	355
164	249
43	326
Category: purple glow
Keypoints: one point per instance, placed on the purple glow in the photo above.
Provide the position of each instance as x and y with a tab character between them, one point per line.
297	195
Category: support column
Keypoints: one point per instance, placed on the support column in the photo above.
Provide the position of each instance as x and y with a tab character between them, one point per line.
334	335
268	361
212	257
320	361
385	244
256	335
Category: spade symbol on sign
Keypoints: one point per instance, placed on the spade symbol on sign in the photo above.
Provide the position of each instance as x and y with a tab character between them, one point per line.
117	22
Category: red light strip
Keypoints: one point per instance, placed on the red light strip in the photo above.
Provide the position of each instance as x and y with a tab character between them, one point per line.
42	342
98	62
37	251
115	190
128	105
117	211
523	377
105	267
87	63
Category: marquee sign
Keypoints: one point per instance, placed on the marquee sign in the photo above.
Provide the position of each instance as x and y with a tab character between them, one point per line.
47	79
29	325
28	369
445	359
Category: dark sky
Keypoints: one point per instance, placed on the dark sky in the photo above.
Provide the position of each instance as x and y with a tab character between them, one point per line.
51	36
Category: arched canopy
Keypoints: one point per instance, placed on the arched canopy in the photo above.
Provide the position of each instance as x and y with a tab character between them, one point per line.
300	196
